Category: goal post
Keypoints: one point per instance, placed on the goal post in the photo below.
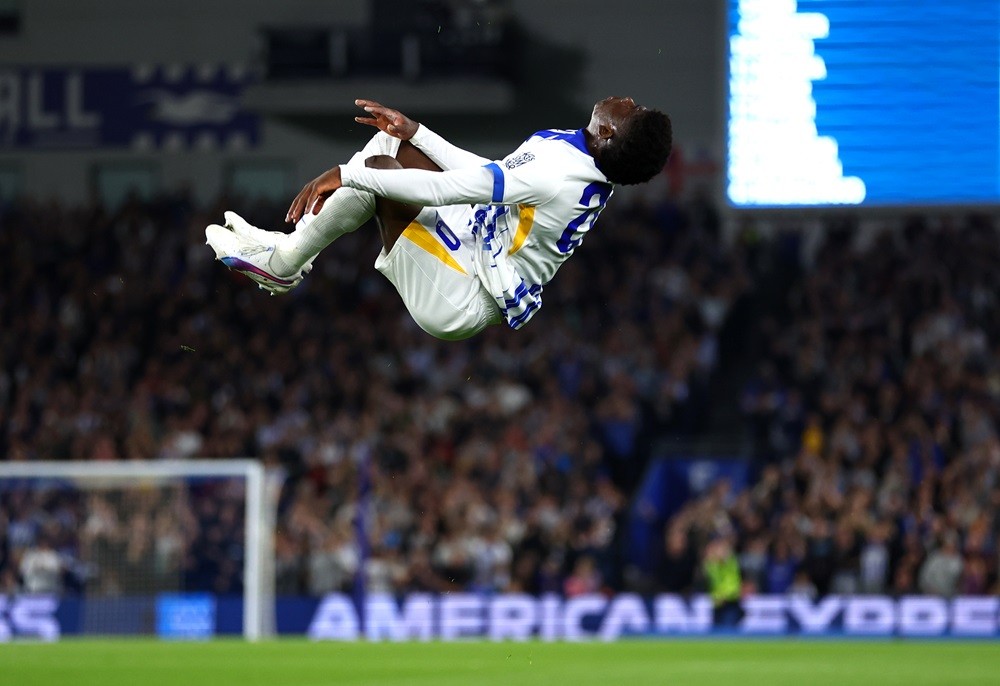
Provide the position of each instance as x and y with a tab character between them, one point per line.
261	489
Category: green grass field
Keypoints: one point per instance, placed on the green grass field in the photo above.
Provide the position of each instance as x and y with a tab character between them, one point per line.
627	663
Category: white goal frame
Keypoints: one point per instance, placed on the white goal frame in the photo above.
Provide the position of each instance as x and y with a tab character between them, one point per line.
258	579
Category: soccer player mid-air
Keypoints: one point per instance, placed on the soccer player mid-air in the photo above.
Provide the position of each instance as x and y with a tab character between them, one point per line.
468	242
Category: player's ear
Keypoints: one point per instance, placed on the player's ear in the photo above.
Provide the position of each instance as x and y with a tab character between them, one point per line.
605	131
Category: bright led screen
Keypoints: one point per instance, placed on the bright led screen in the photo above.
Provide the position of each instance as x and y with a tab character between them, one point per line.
875	102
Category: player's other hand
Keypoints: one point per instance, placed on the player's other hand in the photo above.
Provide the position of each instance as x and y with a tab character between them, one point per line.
393	122
314	194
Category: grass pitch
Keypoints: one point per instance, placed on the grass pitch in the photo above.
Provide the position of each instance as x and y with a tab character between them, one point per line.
626	663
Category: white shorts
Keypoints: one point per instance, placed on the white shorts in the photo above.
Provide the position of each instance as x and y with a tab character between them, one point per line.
431	266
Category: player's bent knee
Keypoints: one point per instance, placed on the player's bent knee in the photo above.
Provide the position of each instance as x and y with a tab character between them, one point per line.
393	216
383	162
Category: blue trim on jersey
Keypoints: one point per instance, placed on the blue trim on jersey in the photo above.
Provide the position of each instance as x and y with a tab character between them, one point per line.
519	293
497	181
574	138
520	320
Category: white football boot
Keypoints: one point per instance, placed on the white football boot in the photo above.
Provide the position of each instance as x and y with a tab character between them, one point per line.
244	248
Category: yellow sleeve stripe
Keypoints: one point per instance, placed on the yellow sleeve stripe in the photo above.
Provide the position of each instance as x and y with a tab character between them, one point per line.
418	234
525	221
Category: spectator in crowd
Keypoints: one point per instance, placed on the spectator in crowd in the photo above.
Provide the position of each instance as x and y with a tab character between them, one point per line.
803	586
873	565
677	569
584	579
781	568
724	584
41	568
942	569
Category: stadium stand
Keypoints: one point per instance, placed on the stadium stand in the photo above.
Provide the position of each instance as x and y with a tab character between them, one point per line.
508	462
873	418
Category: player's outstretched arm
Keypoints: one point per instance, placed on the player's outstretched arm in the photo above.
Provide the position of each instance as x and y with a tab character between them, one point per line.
414	186
314	194
393	122
531	185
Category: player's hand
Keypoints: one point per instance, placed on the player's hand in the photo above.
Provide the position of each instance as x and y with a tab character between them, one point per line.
314	194
391	121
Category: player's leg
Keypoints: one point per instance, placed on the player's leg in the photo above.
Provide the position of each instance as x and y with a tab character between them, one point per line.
279	261
347	208
391	216
412	157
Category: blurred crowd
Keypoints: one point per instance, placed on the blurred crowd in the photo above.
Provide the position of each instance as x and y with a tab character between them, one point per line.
504	462
873	418
507	462
111	540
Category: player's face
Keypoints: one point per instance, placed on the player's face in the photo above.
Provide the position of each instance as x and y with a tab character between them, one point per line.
614	111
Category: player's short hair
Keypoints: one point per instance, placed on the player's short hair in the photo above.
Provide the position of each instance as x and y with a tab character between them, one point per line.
640	152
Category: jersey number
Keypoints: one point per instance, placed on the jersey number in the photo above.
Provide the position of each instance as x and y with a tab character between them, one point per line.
447	236
573	234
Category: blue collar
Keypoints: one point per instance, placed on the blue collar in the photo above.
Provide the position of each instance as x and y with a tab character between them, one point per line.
574	138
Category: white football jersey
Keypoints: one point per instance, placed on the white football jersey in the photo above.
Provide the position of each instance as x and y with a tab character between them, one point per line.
554	193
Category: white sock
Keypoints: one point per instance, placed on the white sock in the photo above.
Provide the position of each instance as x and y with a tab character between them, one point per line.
342	213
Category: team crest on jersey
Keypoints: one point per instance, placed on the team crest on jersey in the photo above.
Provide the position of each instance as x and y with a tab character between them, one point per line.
518	160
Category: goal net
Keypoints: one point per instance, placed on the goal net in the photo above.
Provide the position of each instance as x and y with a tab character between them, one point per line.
169	548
